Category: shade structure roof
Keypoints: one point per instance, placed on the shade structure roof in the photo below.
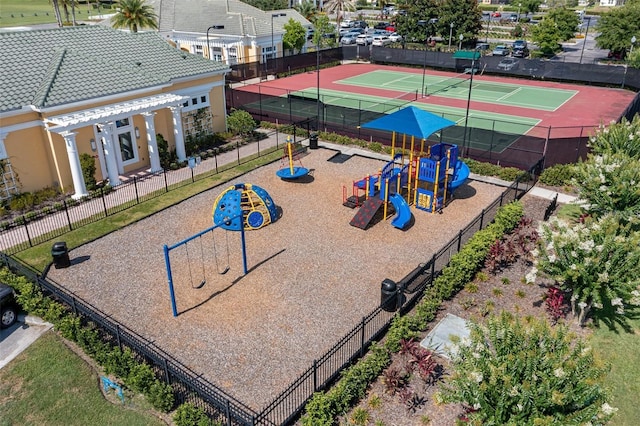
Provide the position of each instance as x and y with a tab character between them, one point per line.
411	121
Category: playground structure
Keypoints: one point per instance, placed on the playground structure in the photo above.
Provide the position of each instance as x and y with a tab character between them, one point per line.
255	204
291	172
425	182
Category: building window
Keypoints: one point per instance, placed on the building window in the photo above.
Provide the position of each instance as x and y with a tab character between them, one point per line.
233	56
197	49
216	54
196	102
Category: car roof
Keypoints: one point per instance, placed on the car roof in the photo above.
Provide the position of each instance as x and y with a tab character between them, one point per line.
5	290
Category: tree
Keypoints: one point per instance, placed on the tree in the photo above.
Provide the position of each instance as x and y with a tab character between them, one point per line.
307	9
339	7
530	6
134	14
466	17
566	20
268	4
295	35
524	372
547	35
617	26
56	11
240	122
420	10
323	26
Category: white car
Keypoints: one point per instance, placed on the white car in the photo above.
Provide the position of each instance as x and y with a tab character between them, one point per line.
349	38
364	39
508	64
381	41
395	37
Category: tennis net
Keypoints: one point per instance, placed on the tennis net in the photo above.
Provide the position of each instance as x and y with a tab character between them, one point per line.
448	83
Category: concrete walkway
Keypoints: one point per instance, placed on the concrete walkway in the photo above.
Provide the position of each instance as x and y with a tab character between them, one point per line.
15	339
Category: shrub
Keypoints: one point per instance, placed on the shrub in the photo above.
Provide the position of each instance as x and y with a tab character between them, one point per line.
160	395
88	166
516	371
618	138
189	415
597	261
558	175
240	122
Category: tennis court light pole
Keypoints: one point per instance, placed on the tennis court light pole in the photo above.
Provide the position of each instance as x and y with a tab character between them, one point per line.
424	23
274	15
318	83
588	18
212	27
450	34
466	117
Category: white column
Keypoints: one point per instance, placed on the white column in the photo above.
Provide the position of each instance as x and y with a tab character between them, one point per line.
74	163
152	143
3	150
110	154
177	133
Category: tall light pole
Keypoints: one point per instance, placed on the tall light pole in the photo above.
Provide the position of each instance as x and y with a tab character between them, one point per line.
450	34
466	117
584	43
274	15
318	79
213	27
486	40
460	37
633	41
519	6
424	67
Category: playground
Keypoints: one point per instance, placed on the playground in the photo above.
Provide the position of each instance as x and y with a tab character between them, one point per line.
311	276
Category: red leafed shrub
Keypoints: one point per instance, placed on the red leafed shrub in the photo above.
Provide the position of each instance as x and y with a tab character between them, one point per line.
556	303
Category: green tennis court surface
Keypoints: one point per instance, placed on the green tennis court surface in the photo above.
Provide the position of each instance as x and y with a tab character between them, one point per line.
457	87
480	124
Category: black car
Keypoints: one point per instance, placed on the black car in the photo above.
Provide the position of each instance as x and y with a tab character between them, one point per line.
381	25
360	24
8	306
520	52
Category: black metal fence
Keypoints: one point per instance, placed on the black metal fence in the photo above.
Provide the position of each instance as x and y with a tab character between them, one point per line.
287	406
35	228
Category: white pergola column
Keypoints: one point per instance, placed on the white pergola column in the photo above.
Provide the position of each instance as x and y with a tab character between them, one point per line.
152	142
74	163
110	154
178	133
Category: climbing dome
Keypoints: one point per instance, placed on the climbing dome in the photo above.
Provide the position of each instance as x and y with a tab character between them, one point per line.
254	202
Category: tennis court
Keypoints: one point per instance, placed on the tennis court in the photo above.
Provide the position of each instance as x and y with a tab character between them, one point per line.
457	87
303	102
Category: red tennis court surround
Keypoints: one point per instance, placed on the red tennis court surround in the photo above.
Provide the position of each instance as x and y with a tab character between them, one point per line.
591	106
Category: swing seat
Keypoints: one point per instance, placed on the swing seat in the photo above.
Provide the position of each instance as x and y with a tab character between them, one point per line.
286	173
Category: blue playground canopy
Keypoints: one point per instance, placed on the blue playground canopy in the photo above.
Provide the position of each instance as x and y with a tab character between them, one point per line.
410	121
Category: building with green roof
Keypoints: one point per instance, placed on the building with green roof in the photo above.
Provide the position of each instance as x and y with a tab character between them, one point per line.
100	91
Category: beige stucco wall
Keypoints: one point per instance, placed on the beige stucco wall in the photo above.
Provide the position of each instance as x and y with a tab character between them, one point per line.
39	158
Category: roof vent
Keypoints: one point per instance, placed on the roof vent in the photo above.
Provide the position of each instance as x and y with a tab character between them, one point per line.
138	63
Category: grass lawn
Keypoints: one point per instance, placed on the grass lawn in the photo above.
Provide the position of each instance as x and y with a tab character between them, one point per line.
49	384
621	350
15	13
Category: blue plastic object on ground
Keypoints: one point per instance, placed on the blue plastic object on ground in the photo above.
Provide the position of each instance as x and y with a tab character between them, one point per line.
403	212
286	173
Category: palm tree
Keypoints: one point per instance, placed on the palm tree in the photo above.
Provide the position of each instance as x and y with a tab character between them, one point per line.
56	11
306	9
339	7
134	14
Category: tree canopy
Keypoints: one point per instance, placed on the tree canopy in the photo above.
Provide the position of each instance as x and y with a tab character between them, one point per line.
135	14
566	20
547	35
617	26
295	35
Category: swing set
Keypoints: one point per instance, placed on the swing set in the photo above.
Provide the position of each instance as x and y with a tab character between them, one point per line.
198	277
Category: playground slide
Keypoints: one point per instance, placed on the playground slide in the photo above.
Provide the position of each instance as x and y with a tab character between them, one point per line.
403	212
460	174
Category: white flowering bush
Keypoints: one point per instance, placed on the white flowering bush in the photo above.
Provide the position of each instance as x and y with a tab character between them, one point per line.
609	183
525	372
623	137
597	261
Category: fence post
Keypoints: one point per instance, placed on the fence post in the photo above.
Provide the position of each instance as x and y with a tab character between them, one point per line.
73	306
118	336
66	211
135	187
501	199
166	184
227	411
433	267
104	202
481	219
26	228
315	375
459	239
165	366
238	150
362	337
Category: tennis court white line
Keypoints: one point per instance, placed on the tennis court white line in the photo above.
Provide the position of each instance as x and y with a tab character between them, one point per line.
509	94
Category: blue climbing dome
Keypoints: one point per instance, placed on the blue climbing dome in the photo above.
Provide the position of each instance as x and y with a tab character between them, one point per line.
254	202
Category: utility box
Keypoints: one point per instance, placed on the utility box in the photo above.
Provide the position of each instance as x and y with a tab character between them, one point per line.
313	141
388	293
60	255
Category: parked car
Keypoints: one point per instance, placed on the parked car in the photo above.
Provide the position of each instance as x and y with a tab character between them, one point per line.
381	40
8	306
349	38
381	25
347	23
500	50
395	37
482	46
519	44
360	24
496	14
508	64
364	39
520	52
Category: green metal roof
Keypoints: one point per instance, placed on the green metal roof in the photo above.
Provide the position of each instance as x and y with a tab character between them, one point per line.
466	54
45	68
